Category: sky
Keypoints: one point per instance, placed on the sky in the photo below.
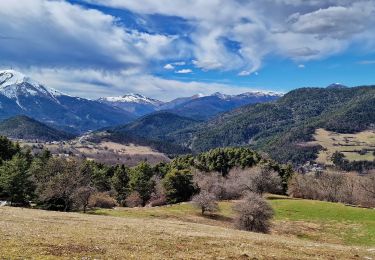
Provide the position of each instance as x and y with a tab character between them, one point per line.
172	48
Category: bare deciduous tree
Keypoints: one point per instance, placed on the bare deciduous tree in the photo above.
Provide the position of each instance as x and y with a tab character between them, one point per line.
257	179
82	197
206	201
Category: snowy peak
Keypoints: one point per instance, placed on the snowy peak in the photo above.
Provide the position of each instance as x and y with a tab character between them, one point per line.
14	84
11	77
247	95
133	98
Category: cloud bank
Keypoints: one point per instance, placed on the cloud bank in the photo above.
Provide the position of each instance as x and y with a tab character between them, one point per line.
79	48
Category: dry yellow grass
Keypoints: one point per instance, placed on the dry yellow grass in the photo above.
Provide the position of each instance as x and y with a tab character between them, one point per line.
36	234
346	143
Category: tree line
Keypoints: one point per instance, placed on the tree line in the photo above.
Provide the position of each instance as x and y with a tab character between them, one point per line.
67	184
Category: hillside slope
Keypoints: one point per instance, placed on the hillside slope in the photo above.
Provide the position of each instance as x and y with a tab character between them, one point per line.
159	130
280	127
28	233
23	127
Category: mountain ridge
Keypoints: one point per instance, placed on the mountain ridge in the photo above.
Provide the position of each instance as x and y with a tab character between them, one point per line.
20	95
23	127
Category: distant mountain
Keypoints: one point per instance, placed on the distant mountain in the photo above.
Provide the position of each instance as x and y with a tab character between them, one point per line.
206	107
135	104
336	86
179	101
23	127
198	107
20	95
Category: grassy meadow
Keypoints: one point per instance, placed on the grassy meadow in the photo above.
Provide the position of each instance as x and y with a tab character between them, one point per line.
302	229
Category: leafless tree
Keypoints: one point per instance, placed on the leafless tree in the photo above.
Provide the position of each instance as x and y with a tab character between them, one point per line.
158	196
82	197
206	201
257	179
211	182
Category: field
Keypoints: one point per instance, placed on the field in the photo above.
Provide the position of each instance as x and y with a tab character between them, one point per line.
104	152
302	230
350	145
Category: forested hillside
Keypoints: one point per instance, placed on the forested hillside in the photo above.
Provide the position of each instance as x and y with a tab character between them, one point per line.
281	127
23	127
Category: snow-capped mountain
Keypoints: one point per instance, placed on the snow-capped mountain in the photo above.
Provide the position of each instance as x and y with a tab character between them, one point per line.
199	106
133	98
205	107
136	104
20	95
14	84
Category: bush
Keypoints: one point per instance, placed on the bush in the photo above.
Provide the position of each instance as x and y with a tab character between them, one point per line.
206	201
253	214
134	200
102	200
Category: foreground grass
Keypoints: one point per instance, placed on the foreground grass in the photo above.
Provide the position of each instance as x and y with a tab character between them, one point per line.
36	234
312	220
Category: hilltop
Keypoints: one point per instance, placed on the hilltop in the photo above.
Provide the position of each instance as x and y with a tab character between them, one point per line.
26	128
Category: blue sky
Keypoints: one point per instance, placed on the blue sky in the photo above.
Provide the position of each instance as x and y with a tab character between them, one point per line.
168	48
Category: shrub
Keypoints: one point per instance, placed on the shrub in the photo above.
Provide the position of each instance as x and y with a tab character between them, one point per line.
102	200
206	201
134	200
253	214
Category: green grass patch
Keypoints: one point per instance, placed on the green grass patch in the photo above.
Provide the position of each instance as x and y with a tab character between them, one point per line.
334	222
353	226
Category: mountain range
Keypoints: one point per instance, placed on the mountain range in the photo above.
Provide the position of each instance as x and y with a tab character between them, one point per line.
277	124
198	107
279	128
20	95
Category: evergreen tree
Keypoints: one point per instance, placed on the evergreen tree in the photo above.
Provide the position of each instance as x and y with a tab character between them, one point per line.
15	180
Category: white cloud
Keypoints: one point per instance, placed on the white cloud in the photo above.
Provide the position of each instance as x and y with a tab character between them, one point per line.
59	34
108	83
296	29
169	67
179	63
184	71
301	66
